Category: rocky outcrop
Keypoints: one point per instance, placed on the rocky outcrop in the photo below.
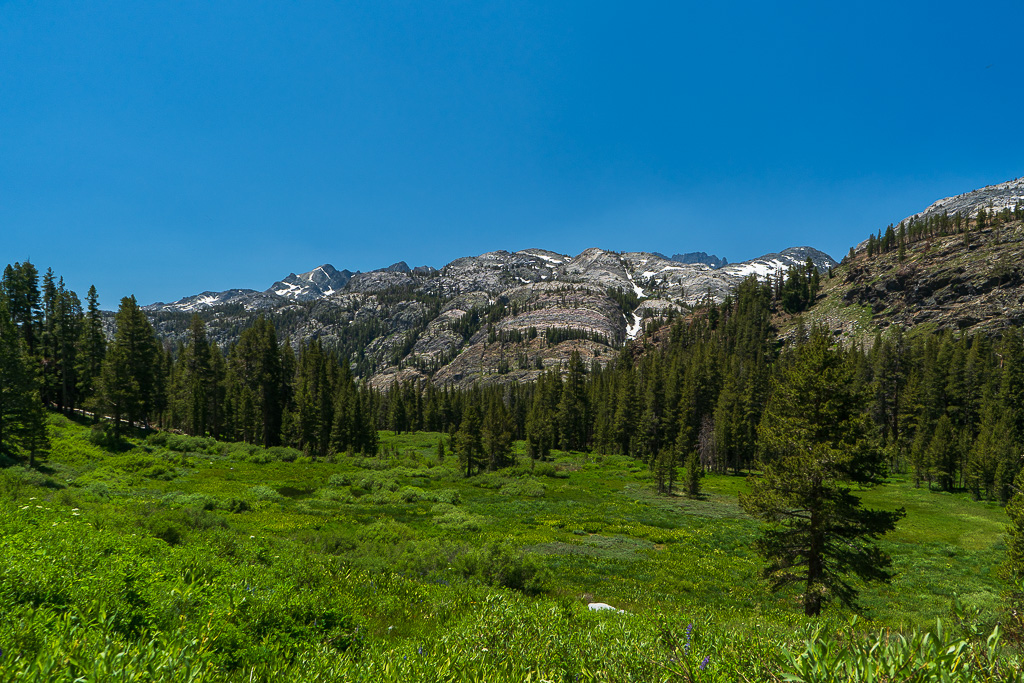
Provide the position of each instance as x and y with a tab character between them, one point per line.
318	283
1008	195
967	282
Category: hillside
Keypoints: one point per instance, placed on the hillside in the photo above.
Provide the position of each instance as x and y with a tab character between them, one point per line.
498	317
951	272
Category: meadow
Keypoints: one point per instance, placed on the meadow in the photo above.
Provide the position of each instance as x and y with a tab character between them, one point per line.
167	557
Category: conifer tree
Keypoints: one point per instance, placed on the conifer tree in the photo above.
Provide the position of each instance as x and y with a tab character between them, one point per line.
129	377
256	380
496	434
572	406
468	441
194	384
17	383
813	445
694	473
92	347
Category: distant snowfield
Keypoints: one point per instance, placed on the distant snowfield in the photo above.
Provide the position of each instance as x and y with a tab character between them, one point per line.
759	268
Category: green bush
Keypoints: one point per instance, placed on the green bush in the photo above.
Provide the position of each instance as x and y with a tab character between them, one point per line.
456	519
410	494
449	496
265	493
498	564
283	453
339	480
378	481
524	488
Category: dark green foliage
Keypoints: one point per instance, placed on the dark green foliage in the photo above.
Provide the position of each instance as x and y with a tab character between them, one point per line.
814	445
130	379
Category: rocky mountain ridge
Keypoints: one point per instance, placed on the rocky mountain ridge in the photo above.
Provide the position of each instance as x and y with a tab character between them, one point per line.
499	316
1008	195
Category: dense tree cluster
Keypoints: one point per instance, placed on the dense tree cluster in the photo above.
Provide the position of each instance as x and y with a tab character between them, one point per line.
260	390
938	225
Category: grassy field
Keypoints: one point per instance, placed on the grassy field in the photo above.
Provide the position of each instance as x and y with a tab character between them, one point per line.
191	559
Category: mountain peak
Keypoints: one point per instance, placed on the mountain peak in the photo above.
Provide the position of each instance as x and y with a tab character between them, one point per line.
1007	195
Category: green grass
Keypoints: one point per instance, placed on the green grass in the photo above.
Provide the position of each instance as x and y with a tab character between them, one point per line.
279	563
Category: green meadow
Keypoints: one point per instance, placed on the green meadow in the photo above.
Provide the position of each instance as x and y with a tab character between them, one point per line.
168	557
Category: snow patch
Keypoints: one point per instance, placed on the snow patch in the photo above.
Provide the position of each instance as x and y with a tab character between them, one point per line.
633	330
636	288
546	258
759	268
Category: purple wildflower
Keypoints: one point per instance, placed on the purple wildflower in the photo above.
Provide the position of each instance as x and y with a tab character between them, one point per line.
704	662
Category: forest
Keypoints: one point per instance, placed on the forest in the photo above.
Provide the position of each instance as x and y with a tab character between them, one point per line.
709	414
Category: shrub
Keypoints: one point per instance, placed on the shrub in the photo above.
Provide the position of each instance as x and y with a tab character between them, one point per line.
335	495
103	435
498	564
166	531
449	496
265	493
524	488
378	481
545	469
457	519
283	453
339	480
411	494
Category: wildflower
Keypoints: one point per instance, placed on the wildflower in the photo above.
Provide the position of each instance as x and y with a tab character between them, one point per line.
704	662
419	650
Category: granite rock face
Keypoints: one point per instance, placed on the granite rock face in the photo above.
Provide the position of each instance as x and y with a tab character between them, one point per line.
1008	195
498	317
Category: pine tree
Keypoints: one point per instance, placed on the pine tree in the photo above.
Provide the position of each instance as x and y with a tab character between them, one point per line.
92	347
813	443
496	434
694	473
468	441
129	377
17	383
194	390
256	382
572	406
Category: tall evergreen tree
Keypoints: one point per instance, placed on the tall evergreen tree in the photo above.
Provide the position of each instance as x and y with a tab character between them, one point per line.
572	406
17	385
130	376
813	445
92	347
468	441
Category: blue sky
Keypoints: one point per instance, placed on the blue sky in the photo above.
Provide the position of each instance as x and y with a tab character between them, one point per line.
165	148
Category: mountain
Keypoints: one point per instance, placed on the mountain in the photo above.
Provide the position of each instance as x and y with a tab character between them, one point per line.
1008	195
700	257
316	284
952	273
500	316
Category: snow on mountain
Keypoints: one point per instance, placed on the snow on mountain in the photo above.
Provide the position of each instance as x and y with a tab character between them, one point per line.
318	283
191	304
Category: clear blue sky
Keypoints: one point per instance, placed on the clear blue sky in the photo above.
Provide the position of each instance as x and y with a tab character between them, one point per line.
165	148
